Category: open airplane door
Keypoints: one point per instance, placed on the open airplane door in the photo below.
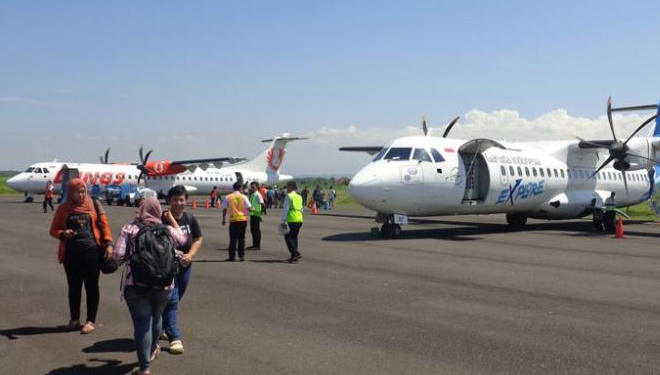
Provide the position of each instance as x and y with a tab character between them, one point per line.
67	175
477	173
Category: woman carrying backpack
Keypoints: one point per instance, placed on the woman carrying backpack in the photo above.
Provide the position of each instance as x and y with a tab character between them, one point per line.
85	238
146	302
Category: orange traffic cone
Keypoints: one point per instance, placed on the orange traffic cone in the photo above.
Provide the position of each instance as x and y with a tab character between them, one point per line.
315	210
619	229
207	204
193	204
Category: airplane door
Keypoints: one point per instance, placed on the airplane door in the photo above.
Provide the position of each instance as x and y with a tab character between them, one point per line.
239	178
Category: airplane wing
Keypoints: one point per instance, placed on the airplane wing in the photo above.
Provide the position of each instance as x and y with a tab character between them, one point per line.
371	150
205	163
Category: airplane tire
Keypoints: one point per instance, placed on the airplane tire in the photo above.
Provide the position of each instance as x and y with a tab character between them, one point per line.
386	230
396	231
29	200
516	220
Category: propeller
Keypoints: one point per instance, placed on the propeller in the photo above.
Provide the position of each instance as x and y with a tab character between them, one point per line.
143	164
618	150
451	125
104	159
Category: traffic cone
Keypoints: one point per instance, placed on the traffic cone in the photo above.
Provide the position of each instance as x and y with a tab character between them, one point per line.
315	210
619	229
193	204
207	204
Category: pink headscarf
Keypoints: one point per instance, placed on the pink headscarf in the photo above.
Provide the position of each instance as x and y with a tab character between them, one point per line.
149	212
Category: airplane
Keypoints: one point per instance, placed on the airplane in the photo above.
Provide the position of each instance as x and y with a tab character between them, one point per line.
199	176
554	180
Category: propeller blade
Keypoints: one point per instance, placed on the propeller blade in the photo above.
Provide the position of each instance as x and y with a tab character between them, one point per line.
146	158
625	182
605	163
648	120
590	144
451	125
141	157
107	152
643	157
425	127
609	116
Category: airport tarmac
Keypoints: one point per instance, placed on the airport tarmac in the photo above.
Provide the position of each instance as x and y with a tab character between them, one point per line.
456	295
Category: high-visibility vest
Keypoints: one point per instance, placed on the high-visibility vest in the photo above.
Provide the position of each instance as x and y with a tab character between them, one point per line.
236	204
295	208
254	201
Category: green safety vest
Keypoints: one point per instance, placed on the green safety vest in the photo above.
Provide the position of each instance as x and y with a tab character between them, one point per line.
295	208
258	207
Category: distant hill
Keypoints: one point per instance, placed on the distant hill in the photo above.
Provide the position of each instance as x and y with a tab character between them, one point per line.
8	173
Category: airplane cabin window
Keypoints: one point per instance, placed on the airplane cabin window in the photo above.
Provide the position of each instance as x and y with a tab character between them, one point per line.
437	156
511	171
37	170
421	155
609	176
533	171
526	171
398	153
562	173
549	172
556	174
519	171
502	170
541	172
378	156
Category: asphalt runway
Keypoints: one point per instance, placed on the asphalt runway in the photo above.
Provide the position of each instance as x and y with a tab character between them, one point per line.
458	295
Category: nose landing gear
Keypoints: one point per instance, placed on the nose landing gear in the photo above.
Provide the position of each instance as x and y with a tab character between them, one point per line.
389	229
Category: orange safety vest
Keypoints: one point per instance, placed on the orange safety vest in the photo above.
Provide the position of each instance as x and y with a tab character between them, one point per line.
236	203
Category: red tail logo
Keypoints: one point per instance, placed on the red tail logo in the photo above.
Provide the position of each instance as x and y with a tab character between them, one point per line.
275	161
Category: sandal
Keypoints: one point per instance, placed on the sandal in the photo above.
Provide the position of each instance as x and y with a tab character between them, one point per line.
88	328
155	353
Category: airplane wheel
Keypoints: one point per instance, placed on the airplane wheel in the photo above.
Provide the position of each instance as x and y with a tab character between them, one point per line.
516	220
29	200
386	230
396	231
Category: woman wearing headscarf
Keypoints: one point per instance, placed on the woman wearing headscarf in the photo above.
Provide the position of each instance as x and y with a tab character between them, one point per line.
145	303
85	238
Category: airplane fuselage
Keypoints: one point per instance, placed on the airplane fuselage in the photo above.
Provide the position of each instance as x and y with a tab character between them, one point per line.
429	176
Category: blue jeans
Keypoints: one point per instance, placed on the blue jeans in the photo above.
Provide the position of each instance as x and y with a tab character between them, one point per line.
146	307
171	314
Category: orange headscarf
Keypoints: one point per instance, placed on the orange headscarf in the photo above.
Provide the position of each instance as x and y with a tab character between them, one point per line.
84	207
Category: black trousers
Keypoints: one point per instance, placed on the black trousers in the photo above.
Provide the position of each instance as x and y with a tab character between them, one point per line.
255	229
291	239
237	238
48	201
82	268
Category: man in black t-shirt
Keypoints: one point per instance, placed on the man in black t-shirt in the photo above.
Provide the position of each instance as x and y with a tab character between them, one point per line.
177	198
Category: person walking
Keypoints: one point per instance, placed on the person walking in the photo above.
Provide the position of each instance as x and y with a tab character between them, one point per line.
257	203
48	196
85	238
214	195
146	303
332	194
304	194
238	207
292	215
177	198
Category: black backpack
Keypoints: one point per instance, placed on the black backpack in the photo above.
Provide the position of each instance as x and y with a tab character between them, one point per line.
153	261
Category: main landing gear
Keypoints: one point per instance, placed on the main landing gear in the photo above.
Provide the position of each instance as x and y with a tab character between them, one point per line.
389	229
517	221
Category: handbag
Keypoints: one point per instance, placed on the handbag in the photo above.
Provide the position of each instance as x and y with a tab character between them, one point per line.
283	228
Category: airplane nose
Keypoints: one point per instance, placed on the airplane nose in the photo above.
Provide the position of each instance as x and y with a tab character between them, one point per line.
14	182
362	185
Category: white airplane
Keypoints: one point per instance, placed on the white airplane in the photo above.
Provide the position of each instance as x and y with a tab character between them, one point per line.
198	176
436	176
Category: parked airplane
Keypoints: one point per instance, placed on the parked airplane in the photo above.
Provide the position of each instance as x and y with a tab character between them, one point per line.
436	176
198	176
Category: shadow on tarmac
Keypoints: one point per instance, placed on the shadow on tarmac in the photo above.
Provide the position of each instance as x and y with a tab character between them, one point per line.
462	231
111	346
109	367
14	333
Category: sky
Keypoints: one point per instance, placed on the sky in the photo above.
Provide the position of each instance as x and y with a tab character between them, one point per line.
201	79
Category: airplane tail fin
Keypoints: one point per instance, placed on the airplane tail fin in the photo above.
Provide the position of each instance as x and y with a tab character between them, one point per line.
270	161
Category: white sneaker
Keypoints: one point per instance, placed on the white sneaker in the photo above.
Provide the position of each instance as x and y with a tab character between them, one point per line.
176	347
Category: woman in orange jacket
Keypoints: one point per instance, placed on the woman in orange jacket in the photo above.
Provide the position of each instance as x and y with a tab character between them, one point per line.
85	238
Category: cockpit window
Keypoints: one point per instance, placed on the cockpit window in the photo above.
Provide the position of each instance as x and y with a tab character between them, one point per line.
437	156
37	170
398	153
29	170
421	155
380	154
46	170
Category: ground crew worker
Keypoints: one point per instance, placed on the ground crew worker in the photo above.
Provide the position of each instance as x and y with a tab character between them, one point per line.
597	213
257	203
214	195
238	206
292	214
610	214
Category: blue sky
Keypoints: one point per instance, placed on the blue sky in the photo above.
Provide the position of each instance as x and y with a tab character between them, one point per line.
212	78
